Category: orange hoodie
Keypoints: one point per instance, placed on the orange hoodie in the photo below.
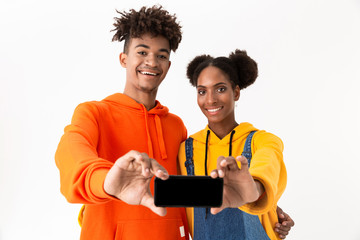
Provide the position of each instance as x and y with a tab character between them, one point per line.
102	131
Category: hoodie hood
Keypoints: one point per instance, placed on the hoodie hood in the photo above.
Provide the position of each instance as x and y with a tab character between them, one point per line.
129	103
208	138
241	131
157	112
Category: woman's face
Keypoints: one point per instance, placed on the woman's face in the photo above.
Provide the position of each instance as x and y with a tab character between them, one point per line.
216	97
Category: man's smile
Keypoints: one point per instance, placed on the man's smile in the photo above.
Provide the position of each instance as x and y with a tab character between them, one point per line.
148	73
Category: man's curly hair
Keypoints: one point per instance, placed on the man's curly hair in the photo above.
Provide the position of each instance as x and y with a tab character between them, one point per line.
154	20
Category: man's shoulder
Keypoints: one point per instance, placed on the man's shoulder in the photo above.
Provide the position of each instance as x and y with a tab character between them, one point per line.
174	118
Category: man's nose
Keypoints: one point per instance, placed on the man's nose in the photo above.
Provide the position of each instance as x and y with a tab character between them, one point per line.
151	60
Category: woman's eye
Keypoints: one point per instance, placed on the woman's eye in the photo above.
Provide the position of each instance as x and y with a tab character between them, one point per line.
142	53
222	89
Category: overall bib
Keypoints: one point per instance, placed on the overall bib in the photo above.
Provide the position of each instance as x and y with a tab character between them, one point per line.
230	223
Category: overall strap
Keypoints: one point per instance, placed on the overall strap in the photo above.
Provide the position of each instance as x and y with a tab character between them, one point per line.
247	147
189	163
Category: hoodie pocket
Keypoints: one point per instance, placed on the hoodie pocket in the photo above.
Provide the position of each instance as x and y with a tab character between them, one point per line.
163	229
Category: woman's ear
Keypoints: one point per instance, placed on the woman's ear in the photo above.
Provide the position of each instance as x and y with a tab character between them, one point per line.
236	93
123	59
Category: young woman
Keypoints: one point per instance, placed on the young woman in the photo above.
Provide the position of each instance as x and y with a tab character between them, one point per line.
251	193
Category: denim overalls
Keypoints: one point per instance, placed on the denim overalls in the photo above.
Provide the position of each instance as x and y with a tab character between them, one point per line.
230	223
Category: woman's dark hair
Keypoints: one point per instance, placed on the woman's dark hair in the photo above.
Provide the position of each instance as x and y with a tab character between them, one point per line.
154	20
241	69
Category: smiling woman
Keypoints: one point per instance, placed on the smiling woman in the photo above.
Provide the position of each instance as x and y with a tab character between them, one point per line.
249	209
216	99
218	81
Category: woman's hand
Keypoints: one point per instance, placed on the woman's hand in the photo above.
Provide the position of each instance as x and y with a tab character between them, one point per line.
239	186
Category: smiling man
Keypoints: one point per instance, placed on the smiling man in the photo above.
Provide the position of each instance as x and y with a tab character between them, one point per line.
146	60
106	156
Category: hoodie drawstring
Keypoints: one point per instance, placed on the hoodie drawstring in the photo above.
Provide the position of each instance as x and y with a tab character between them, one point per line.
230	143
149	142
160	135
206	151
206	172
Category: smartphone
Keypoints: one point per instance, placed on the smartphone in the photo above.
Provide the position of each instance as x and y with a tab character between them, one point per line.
188	191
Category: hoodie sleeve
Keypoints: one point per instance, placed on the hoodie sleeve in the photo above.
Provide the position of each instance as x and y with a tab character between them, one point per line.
267	166
82	172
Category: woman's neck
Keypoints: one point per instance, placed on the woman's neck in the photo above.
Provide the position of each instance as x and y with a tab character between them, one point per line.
221	130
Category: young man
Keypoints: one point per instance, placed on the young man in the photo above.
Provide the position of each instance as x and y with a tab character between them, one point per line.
106	155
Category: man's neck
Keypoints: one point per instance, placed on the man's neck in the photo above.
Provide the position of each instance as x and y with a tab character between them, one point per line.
145	98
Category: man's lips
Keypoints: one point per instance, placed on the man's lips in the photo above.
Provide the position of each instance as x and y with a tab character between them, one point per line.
149	73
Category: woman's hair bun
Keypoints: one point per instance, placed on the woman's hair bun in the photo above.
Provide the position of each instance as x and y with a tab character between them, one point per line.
193	65
246	68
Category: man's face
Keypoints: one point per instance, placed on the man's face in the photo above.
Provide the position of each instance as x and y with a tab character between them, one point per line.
146	62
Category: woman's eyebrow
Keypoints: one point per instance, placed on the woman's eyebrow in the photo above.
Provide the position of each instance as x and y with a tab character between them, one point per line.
215	85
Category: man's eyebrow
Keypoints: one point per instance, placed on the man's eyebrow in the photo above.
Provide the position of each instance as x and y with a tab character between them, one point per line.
164	50
142	45
147	47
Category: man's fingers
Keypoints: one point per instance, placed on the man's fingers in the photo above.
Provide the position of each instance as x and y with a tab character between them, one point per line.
145	161
125	160
288	220
282	233
282	227
162	174
148	201
158	170
150	166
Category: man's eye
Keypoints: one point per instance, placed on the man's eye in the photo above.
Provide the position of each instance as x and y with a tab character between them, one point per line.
142	53
201	92
162	57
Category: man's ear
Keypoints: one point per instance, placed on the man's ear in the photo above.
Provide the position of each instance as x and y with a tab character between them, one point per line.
123	59
169	65
236	93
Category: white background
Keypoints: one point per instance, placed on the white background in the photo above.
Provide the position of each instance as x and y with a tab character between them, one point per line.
57	54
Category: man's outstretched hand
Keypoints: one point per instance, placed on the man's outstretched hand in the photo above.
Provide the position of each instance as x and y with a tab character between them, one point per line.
129	180
285	223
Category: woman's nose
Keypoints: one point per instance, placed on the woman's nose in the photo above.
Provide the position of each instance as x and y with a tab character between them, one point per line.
211	98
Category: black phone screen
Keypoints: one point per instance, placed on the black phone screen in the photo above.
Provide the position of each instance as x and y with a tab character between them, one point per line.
188	191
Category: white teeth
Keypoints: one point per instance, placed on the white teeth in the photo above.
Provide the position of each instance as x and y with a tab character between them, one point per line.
214	110
149	73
